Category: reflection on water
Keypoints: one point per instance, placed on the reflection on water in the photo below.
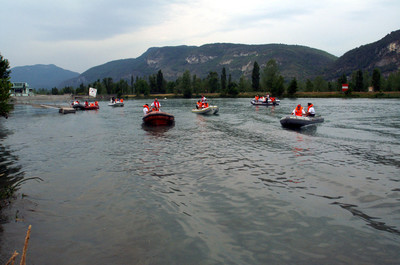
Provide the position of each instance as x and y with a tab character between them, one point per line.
157	130
234	188
10	174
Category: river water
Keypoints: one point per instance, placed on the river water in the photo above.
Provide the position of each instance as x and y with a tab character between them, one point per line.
233	188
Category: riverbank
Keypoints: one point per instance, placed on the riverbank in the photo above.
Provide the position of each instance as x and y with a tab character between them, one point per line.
392	94
58	98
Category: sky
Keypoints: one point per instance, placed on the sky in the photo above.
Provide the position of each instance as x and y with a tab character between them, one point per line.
77	35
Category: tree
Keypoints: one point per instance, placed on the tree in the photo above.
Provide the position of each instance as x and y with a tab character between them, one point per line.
244	84
108	84
153	83
54	91
161	83
376	79
278	88
196	85
320	84
185	84
309	86
393	82
142	87
121	88
132	85
359	83
232	89
270	75
292	89
341	80
223	80
212	82
5	86
255	77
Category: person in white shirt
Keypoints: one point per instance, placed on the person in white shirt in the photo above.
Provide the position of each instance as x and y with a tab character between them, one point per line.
155	105
310	110
146	109
203	99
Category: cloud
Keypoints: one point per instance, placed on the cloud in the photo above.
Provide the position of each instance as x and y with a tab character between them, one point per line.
79	34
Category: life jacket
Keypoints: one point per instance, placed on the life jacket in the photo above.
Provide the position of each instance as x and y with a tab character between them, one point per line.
199	105
156	105
272	99
96	103
299	111
122	100
206	105
257	98
308	109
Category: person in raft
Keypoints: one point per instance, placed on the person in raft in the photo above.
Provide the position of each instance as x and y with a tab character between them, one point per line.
146	109
298	111
310	110
155	106
203	99
199	105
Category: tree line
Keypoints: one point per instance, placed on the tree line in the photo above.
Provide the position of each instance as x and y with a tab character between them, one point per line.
268	79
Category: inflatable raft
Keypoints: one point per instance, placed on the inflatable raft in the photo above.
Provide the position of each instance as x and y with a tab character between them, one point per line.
78	106
265	102
156	118
293	121
207	111
116	104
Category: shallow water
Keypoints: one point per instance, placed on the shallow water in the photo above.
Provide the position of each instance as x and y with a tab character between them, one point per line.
233	188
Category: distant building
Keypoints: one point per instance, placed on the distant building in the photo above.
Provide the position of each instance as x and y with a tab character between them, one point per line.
21	89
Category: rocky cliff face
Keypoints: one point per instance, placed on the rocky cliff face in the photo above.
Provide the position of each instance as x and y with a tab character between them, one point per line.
383	54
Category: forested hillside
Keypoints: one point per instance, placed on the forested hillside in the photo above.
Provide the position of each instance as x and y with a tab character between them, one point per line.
383	54
238	59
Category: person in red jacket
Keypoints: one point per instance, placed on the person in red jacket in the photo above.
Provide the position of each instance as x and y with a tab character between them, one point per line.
298	111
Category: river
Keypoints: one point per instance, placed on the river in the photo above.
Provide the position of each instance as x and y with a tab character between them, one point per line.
233	188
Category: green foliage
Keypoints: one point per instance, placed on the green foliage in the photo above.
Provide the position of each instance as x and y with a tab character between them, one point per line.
232	90
309	86
223	80
341	80
54	91
212	82
376	79
270	75
185	84
359	81
244	85
255	77
320	85
161	83
5	86
393	82
292	88
278	88
142	87
271	79
108	84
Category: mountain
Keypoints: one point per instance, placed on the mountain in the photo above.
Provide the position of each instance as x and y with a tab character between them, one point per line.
383	54
41	76
238	59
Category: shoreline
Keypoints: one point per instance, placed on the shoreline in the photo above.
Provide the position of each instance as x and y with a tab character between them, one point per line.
69	97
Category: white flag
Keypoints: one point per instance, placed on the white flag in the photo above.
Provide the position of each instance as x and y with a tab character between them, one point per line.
92	92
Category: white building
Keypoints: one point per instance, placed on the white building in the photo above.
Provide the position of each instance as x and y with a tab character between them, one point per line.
21	89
